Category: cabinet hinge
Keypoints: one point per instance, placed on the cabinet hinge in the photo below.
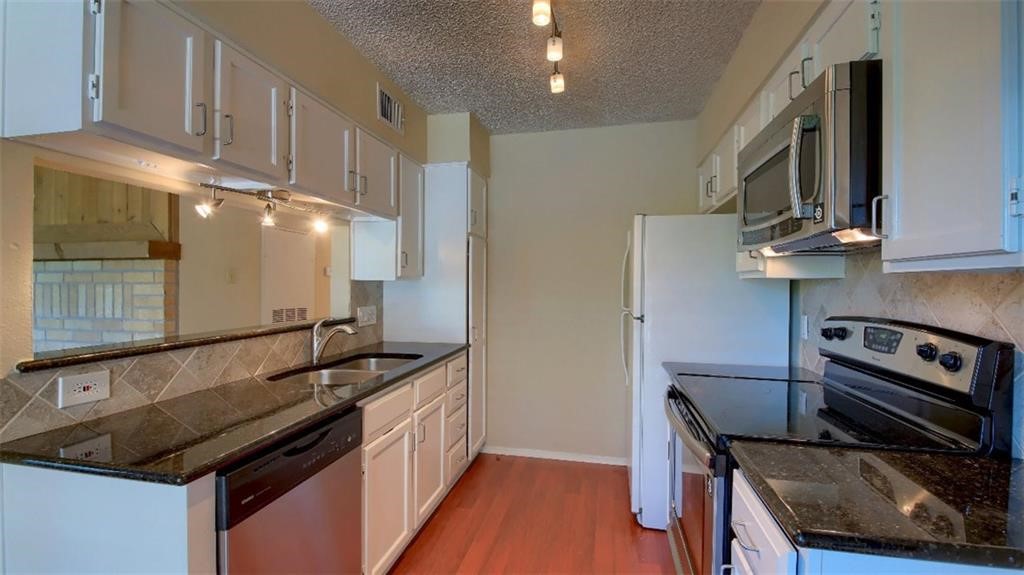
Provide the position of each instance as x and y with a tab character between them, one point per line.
291	163
94	86
95	6
289	106
874	27
1016	209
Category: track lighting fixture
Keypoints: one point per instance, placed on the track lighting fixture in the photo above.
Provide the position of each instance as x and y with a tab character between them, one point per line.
541	12
320	226
555	47
268	215
206	208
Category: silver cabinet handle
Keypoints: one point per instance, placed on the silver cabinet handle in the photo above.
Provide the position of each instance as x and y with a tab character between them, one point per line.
461	426
349	185
803	70
748	546
231	129
364	183
472	217
876	229
707	188
790	80
203	131
460	396
405	259
422	436
714	184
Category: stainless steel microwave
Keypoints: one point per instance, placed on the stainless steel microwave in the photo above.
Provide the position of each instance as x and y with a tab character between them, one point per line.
810	182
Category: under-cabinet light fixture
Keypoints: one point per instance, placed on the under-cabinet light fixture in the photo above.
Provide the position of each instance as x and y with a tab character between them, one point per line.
206	208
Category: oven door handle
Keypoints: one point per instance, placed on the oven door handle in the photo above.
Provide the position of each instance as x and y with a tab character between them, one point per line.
695	445
796	140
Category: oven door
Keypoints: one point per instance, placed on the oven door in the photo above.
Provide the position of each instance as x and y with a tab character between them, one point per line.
696	519
782	178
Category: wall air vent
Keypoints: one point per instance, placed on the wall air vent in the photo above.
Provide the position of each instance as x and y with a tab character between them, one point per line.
390	110
286	314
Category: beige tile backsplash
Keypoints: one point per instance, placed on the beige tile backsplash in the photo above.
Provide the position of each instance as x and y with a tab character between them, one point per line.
990	304
28	402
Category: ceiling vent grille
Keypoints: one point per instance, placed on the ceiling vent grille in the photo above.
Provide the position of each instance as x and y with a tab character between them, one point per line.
286	314
390	110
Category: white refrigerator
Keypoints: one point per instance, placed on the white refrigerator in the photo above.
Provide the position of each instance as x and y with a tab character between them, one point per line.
683	301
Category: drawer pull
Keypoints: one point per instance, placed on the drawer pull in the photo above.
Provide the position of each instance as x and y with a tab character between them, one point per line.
461	426
460	370
735	529
460	396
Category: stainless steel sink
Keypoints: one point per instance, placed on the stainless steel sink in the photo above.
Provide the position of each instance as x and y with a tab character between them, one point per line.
377	364
336	377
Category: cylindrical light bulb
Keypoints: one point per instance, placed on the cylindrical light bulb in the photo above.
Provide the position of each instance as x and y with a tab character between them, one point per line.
320	226
204	209
541	12
557	82
554	48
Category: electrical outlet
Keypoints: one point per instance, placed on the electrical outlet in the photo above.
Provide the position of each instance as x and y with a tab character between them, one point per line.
84	388
366	315
95	449
805	331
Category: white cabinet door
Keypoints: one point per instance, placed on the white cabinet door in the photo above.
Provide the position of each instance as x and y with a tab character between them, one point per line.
477	205
706	182
724	181
376	163
749	124
410	218
845	30
322	154
250	129
952	140
152	74
387	498
784	84
478	344
429	482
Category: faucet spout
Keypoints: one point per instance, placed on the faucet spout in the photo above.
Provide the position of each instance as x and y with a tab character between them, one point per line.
320	337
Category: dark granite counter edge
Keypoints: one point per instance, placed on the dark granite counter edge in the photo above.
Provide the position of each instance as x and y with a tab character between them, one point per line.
122	350
94	468
971	554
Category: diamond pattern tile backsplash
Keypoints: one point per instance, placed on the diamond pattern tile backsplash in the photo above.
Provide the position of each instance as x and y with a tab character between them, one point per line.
990	304
28	401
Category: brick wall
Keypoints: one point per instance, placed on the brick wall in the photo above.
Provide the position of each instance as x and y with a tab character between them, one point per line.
85	303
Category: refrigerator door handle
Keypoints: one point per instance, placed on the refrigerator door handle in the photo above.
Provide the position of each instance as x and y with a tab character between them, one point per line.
622	343
625	264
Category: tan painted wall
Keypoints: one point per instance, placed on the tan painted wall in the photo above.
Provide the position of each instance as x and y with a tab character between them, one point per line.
459	137
775	28
559	207
293	38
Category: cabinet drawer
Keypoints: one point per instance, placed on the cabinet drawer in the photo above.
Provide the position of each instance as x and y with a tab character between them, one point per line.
456	426
384	413
457	461
457	396
762	544
429	386
457	370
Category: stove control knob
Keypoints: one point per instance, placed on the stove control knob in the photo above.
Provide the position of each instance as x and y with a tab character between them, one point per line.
827	333
927	351
840	333
951	361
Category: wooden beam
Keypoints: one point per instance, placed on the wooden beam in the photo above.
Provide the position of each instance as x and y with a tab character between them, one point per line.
126	250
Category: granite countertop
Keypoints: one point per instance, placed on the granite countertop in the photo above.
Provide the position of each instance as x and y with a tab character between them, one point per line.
947	508
181	439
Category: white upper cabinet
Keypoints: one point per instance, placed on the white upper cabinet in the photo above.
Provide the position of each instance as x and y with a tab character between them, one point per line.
845	30
322	158
725	170
477	205
952	129
250	129
706	182
151	71
785	83
748	125
410	219
376	164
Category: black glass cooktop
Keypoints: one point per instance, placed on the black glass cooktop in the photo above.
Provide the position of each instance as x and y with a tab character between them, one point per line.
840	409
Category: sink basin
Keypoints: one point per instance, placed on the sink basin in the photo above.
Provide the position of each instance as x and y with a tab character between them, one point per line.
335	377
379	364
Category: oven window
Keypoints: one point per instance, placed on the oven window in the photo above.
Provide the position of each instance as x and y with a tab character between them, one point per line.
766	189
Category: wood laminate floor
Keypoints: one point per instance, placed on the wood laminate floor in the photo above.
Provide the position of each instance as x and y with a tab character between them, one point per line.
524	515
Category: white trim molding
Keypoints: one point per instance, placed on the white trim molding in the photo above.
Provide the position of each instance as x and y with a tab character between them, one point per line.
558	455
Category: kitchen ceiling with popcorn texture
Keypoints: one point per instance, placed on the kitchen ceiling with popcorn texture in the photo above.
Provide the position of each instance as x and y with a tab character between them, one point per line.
626	61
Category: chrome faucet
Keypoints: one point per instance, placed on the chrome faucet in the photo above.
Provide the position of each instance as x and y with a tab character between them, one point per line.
320	338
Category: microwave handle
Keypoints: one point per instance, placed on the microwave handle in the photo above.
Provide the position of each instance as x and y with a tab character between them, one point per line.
795	142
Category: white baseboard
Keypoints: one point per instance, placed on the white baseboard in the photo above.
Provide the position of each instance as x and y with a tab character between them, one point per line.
559	455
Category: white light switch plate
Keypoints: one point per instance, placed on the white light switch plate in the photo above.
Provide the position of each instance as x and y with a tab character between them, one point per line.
366	315
84	388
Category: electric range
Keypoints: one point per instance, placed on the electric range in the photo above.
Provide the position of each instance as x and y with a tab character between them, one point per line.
887	385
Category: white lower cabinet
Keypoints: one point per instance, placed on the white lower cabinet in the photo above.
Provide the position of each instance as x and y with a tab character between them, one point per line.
429	459
388	522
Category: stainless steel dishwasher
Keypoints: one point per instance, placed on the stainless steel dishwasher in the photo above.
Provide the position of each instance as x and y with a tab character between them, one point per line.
296	508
